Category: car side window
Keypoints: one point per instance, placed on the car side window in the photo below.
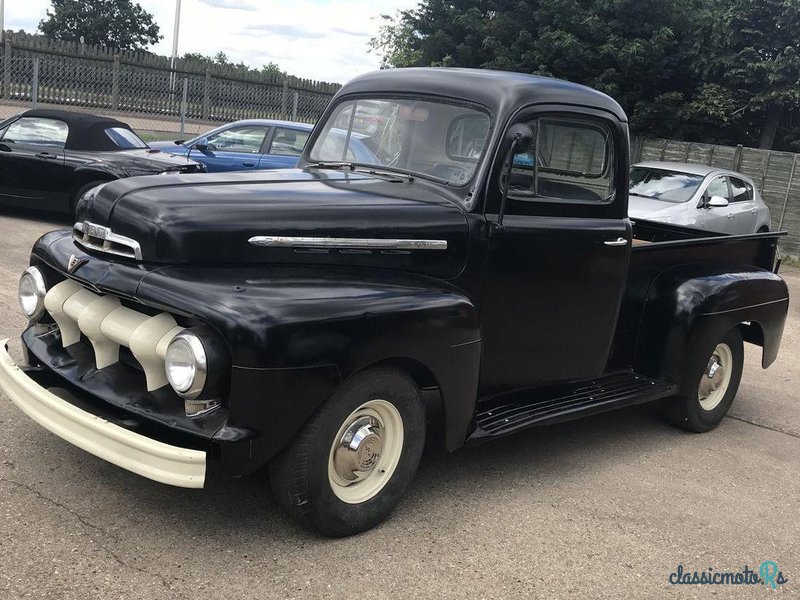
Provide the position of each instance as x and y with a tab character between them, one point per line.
37	130
718	187
289	142
570	159
742	191
246	139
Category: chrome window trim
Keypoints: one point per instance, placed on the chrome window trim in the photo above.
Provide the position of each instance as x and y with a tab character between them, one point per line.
81	236
277	241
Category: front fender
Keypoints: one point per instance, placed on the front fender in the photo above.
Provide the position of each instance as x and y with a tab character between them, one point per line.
325	326
689	308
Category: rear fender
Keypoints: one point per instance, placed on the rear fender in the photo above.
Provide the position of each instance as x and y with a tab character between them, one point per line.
689	308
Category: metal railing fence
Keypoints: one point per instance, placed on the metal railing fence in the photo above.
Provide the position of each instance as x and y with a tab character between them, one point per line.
154	94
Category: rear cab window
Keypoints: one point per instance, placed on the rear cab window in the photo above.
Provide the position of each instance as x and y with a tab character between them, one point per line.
38	131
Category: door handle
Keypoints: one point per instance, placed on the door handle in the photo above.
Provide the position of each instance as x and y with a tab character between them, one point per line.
621	241
248	164
46	156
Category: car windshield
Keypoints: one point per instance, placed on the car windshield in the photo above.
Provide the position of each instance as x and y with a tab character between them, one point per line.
434	139
125	138
661	184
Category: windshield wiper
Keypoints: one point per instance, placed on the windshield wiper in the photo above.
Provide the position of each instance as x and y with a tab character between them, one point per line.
333	165
392	174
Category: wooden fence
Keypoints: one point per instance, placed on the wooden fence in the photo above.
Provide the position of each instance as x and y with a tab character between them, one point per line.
776	174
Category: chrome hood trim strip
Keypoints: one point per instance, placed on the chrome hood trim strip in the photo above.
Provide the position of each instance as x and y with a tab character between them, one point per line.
275	241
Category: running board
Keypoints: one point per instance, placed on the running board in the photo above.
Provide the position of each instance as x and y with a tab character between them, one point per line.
513	411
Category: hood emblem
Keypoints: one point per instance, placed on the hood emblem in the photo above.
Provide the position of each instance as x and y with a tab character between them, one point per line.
75	263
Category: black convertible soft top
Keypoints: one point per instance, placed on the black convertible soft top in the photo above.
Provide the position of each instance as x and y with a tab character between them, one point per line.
86	131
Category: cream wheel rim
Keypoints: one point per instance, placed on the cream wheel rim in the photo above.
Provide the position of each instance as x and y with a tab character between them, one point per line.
716	378
365	451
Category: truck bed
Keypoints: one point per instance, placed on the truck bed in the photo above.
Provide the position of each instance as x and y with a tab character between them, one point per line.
658	247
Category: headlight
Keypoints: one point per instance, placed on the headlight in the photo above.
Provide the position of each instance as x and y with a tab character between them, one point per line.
187	365
32	290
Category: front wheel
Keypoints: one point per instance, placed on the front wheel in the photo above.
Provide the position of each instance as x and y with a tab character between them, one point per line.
713	386
351	463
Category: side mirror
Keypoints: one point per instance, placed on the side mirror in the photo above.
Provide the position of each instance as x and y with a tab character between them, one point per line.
518	140
201	144
717	202
522	134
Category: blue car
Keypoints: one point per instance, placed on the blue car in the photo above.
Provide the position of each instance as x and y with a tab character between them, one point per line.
245	145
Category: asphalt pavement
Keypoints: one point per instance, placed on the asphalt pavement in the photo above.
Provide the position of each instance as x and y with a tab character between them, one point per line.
607	507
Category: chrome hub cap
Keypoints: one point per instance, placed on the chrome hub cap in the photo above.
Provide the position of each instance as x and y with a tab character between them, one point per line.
359	449
365	451
716	378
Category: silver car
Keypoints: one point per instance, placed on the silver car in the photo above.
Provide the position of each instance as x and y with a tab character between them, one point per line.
697	196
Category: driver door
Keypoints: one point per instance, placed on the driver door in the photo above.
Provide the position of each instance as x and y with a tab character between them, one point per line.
557	267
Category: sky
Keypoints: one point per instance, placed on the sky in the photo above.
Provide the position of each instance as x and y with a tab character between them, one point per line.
326	40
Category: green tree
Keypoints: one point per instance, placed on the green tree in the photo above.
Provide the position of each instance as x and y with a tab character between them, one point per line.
118	24
697	69
762	60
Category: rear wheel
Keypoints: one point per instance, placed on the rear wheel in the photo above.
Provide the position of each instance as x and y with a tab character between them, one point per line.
713	386
351	463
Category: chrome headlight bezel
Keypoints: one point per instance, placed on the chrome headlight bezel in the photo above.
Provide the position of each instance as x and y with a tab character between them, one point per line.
186	347
32	277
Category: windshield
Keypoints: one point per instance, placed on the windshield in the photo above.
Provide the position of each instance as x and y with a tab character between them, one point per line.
659	184
428	138
125	138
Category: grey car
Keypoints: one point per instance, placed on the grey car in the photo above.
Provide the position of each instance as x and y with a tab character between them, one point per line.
697	196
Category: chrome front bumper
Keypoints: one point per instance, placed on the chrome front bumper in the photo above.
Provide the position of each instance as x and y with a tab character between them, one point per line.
181	467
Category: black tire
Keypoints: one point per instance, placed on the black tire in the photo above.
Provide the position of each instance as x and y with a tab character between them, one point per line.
73	204
687	411
763	229
299	475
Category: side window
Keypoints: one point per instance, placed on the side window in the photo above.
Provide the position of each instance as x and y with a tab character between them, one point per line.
742	191
35	130
288	142
718	187
246	139
571	159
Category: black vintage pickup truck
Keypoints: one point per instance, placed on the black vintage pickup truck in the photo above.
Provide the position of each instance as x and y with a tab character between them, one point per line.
452	231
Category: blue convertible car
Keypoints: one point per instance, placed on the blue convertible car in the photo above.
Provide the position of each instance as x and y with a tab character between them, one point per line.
244	145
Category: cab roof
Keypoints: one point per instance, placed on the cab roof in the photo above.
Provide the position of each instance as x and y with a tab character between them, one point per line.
502	92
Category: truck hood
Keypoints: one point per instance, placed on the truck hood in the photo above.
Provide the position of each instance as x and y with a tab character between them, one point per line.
647	208
211	218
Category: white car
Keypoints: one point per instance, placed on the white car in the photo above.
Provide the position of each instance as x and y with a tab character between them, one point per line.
697	196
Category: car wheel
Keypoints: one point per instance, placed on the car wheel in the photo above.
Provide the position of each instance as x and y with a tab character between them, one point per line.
351	463
763	229
714	384
73	205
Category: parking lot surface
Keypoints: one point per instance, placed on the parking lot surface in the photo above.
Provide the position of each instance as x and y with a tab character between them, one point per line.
607	507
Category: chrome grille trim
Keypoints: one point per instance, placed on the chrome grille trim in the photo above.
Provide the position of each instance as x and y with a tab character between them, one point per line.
276	241
100	238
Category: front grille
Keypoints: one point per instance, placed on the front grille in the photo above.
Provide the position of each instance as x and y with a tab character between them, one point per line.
97	237
110	326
